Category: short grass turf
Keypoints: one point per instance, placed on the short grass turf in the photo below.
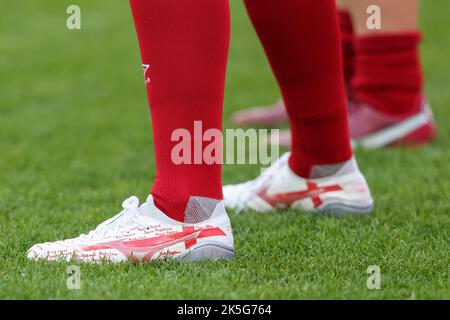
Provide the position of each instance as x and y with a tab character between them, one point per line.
75	140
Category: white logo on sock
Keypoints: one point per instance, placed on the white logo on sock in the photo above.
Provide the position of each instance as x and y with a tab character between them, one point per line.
146	67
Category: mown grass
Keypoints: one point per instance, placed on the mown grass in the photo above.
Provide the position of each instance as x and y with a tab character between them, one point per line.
75	139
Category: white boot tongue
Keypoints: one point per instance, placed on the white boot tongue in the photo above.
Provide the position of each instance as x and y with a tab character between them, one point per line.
147	207
131	202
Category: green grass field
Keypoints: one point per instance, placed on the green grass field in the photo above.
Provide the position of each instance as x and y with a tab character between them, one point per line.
75	140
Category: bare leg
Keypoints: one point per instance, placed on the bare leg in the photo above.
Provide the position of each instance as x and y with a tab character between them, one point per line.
396	15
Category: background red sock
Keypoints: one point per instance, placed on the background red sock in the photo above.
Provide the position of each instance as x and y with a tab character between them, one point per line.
301	39
389	73
185	44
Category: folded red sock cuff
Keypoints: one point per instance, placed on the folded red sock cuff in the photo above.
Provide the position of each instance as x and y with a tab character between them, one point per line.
388	71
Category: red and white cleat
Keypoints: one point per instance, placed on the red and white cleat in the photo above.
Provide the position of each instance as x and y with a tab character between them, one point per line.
270	115
343	190
144	233
372	129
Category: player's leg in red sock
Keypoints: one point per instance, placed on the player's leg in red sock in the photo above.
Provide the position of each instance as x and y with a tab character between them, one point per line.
389	74
184	47
389	106
302	42
301	39
388	69
275	114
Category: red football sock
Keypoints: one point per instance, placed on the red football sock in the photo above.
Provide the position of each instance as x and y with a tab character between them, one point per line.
388	72
301	39
348	47
184	47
